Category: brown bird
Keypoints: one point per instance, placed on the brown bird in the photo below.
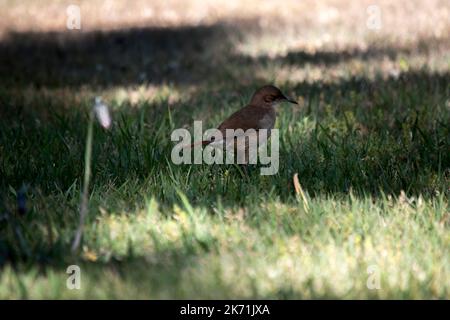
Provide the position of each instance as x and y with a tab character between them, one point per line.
258	114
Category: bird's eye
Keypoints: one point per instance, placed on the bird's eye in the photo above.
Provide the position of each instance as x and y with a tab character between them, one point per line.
269	98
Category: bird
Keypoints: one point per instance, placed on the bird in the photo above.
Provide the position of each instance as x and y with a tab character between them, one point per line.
259	114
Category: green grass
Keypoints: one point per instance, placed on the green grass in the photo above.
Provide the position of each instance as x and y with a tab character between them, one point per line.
371	148
223	236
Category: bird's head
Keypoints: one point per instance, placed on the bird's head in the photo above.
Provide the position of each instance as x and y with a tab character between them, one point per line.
269	96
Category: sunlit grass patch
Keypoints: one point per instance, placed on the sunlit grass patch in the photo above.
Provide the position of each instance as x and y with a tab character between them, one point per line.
265	253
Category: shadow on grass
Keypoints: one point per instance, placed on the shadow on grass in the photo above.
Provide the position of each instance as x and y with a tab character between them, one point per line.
179	55
385	133
369	135
109	58
374	51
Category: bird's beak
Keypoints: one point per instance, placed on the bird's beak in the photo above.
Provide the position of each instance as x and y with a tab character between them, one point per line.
290	100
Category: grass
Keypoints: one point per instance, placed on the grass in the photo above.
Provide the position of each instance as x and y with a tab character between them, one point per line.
370	143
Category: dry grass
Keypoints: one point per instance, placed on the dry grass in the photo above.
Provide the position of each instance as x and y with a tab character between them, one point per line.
309	24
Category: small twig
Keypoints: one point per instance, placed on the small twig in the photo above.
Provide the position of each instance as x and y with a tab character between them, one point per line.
87	175
101	111
299	191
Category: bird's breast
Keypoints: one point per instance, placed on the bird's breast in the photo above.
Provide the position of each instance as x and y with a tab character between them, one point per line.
267	121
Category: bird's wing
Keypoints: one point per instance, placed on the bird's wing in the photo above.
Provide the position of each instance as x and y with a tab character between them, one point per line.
249	117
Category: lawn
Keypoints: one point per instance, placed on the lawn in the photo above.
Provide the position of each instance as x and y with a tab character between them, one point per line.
369	142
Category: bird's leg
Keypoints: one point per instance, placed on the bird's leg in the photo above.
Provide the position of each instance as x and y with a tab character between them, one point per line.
245	169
